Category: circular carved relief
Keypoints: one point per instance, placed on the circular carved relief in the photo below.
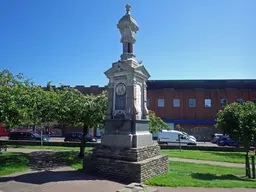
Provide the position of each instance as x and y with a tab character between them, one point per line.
120	89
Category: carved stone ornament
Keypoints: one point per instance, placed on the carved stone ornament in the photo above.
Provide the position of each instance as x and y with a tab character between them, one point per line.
118	69
120	89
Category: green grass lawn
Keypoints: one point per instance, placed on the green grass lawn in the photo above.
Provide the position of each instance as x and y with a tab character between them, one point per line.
232	157
13	162
180	174
200	175
57	148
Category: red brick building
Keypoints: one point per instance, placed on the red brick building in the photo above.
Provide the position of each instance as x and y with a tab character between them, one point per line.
192	104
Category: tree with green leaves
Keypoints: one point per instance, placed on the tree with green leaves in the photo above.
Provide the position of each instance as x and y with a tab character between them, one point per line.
179	128
13	95
8	79
156	124
88	111
12	109
239	122
23	103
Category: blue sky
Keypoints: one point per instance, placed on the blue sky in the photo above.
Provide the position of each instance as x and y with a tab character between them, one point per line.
74	41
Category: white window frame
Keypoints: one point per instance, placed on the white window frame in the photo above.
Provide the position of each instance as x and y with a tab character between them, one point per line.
189	104
176	103
160	102
206	103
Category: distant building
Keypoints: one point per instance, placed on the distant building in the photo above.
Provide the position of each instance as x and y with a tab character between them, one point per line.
193	104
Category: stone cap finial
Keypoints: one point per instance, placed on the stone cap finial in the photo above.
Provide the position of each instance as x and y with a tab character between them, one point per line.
128	8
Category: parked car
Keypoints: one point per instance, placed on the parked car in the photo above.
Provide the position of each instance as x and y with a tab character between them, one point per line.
227	141
173	136
3	132
77	136
215	137
27	135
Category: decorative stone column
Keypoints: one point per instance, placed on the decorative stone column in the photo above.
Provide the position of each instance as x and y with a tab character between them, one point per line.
127	150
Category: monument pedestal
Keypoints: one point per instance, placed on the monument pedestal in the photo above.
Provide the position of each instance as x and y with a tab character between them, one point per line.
126	133
126	164
127	152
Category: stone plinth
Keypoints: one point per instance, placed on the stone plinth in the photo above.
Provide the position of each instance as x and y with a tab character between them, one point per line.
126	165
137	187
127	154
126	133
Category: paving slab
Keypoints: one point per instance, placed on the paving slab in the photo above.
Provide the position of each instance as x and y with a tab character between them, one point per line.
62	179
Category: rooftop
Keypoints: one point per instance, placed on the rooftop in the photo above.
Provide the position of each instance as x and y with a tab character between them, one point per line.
207	84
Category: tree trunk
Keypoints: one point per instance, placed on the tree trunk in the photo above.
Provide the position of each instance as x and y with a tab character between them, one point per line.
83	140
247	165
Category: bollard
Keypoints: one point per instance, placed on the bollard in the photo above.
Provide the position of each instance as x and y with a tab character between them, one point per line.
253	167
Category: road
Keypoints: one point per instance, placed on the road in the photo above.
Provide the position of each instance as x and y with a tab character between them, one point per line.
61	139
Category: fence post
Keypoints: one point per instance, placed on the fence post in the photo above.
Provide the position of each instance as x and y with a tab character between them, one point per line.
41	137
179	143
253	167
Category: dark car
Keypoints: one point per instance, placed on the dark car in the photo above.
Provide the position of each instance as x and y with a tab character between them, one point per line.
227	141
77	136
215	137
27	135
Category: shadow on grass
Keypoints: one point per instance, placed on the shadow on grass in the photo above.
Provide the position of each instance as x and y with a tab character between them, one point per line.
209	176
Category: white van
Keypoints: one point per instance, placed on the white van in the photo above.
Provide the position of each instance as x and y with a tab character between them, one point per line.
190	136
172	137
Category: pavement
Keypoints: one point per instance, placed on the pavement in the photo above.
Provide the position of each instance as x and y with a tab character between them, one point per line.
62	179
24	150
68	179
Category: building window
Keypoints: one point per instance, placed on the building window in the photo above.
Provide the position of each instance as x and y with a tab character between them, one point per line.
176	102
160	102
223	102
192	102
147	102
207	103
241	101
254	101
